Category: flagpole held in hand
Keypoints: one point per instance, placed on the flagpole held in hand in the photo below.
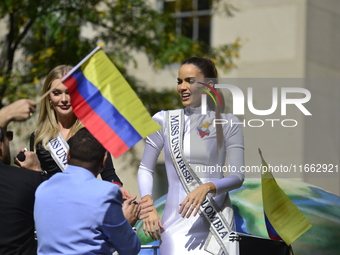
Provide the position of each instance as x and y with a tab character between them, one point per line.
70	72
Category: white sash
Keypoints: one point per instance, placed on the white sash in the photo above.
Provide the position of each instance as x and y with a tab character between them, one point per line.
58	148
221	238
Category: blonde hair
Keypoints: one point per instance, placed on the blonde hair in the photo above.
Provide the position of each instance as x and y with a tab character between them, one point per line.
47	124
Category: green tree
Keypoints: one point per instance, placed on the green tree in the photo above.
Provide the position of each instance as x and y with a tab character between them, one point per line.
49	33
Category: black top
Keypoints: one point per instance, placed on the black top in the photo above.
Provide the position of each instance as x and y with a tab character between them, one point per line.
50	166
17	189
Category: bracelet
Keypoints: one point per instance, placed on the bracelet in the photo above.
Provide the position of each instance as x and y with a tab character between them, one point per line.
119	184
43	172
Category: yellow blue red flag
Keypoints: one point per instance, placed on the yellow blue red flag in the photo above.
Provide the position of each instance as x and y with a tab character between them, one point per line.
284	221
106	104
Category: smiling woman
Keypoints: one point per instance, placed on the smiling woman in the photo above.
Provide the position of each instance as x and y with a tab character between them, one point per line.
190	94
60	99
57	124
191	142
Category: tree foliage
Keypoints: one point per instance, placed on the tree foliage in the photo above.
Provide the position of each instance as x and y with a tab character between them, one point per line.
49	33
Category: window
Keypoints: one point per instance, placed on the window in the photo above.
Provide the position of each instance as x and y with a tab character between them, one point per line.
193	18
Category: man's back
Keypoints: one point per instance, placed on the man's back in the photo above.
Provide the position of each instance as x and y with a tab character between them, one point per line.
17	188
75	213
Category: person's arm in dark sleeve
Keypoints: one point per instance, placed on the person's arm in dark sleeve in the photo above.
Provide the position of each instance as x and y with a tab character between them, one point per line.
45	159
109	172
32	141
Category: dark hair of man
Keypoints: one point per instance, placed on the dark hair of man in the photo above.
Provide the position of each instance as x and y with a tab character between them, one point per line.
208	70
85	151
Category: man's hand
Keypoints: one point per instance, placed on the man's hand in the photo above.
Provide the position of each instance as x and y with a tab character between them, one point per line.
131	210
136	210
18	111
31	161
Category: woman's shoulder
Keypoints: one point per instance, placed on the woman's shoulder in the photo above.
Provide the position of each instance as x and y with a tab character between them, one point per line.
160	116
163	112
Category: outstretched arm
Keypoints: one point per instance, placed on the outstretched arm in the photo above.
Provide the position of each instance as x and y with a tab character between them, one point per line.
18	111
154	144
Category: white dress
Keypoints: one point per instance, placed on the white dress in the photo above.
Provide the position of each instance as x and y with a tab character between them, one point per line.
188	235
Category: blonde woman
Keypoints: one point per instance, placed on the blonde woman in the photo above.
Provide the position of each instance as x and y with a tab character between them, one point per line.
57	124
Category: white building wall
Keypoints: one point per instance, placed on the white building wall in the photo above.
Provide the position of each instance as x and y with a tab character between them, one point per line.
322	137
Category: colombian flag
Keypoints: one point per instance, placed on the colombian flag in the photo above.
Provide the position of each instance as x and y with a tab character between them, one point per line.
107	106
284	221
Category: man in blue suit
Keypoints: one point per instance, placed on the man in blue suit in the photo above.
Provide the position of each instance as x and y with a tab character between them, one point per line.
76	213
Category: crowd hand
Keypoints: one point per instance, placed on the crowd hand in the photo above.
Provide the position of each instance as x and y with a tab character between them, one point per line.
192	202
152	225
131	210
125	193
19	110
31	161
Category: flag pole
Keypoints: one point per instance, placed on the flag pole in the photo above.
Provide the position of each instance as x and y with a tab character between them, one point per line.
71	72
81	62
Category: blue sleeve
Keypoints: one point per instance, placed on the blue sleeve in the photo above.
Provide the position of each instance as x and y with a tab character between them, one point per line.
116	227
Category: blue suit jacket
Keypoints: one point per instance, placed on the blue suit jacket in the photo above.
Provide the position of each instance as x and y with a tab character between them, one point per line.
75	213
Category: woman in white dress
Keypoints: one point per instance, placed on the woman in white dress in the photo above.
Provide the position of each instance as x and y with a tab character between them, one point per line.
183	229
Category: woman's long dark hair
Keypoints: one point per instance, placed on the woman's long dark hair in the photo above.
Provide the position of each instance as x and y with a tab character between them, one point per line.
208	70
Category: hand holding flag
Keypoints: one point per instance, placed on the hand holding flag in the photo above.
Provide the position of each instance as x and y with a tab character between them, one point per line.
107	106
